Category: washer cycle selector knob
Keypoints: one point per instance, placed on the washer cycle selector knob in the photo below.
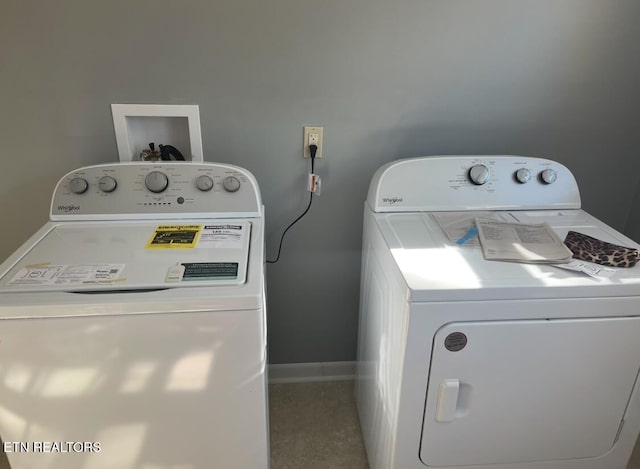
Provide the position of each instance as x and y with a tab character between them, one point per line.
548	176
479	174
107	184
156	181
204	183
231	183
523	175
78	185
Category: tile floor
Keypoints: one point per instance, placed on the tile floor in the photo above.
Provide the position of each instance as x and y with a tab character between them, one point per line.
315	426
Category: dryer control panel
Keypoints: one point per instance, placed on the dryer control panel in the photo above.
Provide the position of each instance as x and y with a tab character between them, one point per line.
489	182
135	190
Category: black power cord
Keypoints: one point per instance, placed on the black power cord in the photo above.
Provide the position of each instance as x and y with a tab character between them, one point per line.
312	153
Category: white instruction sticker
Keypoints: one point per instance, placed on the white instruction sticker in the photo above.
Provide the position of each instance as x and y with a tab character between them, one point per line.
37	275
67	274
222	236
589	268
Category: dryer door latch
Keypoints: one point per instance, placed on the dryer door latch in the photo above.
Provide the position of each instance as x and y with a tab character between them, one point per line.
448	400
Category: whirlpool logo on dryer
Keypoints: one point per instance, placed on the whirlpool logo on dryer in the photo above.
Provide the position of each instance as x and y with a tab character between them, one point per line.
68	208
391	200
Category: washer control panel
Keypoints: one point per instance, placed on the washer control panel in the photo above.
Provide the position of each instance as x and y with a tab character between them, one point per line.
140	190
492	182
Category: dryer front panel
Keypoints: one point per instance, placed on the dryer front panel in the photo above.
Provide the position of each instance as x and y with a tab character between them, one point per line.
505	392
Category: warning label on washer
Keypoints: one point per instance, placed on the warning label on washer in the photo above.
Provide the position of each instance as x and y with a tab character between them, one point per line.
175	237
67	274
209	270
222	236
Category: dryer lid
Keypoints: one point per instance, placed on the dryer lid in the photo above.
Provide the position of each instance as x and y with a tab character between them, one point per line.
436	269
101	256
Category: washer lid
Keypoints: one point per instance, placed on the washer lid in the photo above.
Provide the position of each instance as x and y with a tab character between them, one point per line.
100	256
436	269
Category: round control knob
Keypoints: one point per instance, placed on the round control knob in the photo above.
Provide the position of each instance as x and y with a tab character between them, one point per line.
479	174
231	183
78	185
156	181
548	176
204	183
523	175
107	184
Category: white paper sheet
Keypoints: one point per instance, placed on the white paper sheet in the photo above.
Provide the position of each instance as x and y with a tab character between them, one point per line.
519	242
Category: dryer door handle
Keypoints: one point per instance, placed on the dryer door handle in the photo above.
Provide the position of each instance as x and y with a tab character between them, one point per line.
448	400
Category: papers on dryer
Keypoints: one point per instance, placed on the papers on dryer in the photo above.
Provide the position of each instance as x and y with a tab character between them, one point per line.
519	242
460	226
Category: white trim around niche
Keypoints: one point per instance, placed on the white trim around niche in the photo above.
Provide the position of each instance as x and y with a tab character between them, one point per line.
121	112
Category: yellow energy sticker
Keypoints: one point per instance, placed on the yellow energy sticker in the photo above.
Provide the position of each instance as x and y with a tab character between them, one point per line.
175	237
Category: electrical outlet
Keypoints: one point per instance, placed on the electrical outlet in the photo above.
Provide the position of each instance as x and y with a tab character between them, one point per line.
312	136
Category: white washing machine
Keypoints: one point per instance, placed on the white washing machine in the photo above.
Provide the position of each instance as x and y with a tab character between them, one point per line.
132	325
469	363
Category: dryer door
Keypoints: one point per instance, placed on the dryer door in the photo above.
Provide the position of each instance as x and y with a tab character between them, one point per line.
504	392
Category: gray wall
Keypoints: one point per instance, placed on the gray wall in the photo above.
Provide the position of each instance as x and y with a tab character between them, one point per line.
633	223
387	79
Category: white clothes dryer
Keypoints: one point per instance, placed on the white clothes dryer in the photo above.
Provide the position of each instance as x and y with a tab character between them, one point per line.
132	324
476	364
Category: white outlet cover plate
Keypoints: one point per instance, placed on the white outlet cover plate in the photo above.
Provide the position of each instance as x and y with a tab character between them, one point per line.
305	140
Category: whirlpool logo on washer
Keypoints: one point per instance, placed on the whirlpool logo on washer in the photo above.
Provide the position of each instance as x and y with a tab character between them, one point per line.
68	208
392	200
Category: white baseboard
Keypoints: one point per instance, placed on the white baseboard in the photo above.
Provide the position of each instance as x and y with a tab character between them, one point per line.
308	372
